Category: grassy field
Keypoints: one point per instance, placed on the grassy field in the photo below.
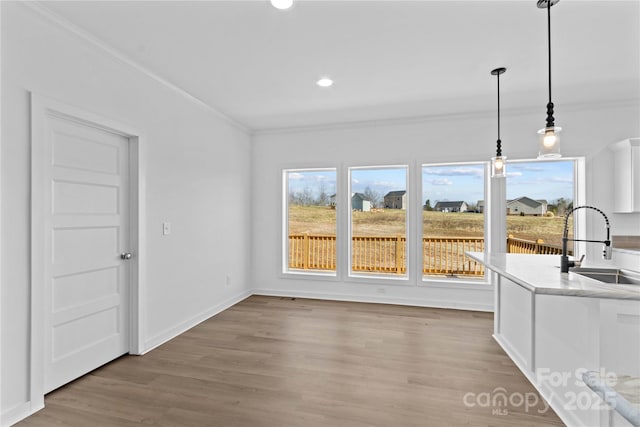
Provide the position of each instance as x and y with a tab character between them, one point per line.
391	222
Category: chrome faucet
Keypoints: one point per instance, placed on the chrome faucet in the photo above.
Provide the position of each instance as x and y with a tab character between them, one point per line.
606	249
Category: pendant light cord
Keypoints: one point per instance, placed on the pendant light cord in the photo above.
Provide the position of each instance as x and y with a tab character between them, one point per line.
550	119
499	150
499	142
549	42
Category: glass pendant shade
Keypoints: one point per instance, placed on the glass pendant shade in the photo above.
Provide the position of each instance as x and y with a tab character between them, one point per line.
549	142
498	167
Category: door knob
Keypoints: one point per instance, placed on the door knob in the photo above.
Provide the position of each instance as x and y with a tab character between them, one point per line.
125	255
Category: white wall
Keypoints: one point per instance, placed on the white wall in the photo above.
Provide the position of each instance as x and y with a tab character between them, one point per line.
197	177
452	139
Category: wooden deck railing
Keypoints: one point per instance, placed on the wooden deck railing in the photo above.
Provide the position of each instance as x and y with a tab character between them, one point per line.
446	256
379	254
312	252
521	246
387	254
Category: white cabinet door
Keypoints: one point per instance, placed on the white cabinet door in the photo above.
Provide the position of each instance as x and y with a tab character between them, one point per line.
567	343
626	173
620	336
515	328
87	227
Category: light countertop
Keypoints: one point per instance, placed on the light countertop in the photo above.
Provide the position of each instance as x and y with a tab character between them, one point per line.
540	274
623	396
633	251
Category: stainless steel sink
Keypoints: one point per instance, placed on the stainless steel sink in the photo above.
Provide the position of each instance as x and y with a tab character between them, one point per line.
609	275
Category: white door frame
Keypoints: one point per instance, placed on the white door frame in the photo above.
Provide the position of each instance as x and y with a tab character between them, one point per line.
41	108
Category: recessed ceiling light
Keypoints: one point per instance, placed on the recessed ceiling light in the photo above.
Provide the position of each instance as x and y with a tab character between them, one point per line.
282	4
324	82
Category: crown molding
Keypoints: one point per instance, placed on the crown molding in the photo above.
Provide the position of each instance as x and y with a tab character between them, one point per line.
469	115
41	9
82	34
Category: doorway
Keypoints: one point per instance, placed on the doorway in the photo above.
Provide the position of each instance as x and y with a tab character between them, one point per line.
85	243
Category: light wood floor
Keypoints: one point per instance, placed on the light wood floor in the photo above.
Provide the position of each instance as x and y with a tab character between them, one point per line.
286	362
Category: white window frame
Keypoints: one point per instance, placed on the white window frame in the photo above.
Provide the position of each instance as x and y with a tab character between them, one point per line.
451	282
285	271
414	232
579	196
373	278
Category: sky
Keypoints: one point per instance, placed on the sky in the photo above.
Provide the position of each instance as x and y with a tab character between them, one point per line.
314	180
549	180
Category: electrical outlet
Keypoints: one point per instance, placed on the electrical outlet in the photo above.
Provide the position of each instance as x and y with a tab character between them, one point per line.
166	228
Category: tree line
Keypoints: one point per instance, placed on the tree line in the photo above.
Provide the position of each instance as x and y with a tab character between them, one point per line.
320	197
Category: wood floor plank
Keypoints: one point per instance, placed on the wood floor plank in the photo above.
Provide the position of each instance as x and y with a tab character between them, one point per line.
286	362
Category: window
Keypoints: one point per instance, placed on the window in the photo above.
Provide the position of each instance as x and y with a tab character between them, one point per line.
452	219
378	220
310	221
375	215
539	194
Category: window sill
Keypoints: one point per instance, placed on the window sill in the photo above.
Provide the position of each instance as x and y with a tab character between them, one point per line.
456	283
310	275
374	279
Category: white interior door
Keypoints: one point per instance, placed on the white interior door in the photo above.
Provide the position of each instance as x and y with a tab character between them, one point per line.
86	293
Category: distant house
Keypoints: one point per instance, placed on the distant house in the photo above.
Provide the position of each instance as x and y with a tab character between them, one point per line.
359	202
451	207
526	206
480	206
395	200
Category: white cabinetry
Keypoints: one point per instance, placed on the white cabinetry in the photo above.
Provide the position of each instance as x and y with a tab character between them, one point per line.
567	344
626	175
514	327
620	323
553	339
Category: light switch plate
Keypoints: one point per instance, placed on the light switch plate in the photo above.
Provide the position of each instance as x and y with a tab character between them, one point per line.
166	228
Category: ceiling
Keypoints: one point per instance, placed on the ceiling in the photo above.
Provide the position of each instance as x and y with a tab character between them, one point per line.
389	59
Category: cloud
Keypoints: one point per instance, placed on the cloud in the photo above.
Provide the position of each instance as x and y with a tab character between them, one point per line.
526	168
563	180
455	171
324	178
388	184
540	181
441	181
296	176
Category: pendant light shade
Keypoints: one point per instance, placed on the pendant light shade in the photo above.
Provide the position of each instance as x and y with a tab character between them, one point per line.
499	162
549	136
549	142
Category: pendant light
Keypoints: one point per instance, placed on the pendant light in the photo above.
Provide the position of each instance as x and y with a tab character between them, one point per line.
549	143
498	163
282	4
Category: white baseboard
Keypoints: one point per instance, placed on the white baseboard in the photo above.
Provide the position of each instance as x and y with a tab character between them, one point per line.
456	305
174	331
18	413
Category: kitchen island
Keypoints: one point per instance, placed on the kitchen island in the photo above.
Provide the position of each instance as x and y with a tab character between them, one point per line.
557	326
